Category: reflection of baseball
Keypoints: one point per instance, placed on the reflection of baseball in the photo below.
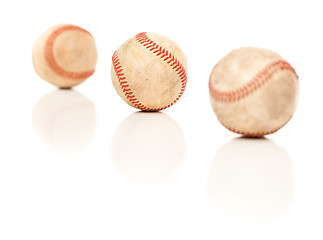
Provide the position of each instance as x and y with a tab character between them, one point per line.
149	72
148	148
251	180
65	55
253	91
65	120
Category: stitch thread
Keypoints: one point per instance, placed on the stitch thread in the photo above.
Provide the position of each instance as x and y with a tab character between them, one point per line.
259	80
48	52
164	55
124	84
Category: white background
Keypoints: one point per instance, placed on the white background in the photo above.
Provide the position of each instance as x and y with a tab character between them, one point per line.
83	164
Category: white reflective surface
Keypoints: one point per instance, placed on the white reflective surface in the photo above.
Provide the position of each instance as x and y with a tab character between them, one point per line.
83	164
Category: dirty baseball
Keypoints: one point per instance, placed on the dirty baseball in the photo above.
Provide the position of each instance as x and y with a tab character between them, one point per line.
65	55
253	91
149	72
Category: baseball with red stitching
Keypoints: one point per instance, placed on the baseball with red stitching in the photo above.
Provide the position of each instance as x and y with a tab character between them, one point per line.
149	72
65	55
253	91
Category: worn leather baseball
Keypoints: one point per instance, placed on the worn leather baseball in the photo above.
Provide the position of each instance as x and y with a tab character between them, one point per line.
149	72
65	55
253	91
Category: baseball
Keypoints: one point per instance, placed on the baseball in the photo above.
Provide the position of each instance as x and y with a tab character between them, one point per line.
65	55
253	91
149	72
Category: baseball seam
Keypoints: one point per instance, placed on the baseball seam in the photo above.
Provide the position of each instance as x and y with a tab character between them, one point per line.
124	84
165	55
48	52
258	81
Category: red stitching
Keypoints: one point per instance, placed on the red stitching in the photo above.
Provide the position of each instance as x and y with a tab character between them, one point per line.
259	80
123	83
163	54
48	51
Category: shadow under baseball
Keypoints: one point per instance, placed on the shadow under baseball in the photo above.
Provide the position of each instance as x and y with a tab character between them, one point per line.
148	148
65	120
251	180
